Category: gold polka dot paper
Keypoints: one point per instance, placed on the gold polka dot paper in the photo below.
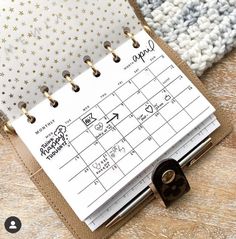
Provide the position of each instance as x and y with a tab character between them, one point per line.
40	39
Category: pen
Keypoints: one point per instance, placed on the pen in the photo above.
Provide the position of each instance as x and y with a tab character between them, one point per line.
147	192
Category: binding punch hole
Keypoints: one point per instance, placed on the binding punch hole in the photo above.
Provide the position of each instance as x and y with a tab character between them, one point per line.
23	107
45	90
89	62
66	75
128	33
107	45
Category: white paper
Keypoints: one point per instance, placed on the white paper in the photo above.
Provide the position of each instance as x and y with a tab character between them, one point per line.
89	153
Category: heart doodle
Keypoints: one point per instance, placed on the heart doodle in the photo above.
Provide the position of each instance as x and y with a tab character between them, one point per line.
149	109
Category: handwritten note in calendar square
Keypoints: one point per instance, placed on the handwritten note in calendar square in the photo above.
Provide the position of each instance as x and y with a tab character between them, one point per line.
98	139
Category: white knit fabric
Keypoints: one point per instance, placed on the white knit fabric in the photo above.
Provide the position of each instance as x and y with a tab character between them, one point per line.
201	31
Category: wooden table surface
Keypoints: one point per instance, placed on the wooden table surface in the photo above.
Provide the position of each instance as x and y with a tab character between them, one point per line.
207	211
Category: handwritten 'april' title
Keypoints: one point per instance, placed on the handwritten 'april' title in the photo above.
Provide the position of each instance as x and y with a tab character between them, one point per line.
141	55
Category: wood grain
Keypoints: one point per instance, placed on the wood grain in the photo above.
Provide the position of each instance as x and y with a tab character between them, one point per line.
208	211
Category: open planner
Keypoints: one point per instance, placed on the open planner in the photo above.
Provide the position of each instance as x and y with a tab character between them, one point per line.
91	145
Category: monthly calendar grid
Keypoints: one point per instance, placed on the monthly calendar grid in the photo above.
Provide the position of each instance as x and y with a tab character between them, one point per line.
131	113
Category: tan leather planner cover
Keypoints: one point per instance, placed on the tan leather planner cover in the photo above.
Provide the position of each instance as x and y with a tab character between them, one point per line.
50	192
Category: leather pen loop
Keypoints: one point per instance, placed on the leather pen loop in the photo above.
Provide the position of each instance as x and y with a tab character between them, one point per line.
89	62
66	75
128	33
45	91
107	45
23	107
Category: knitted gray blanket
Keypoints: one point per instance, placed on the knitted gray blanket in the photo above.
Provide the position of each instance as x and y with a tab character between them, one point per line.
201	31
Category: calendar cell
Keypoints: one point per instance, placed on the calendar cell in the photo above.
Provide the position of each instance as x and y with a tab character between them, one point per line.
119	150
129	162
154	123
152	88
83	141
180	121
135	101
143	78
127	125
163	66
144	112
81	180
163	134
111	177
147	147
170	109
197	107
66	153
101	127
178	86
187	96
92	116
126	90
72	167
76	128
110	138
137	136
121	111
92	152
161	99
101	165
93	190
109	103
169	75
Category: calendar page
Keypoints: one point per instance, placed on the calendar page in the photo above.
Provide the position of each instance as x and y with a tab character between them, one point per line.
99	139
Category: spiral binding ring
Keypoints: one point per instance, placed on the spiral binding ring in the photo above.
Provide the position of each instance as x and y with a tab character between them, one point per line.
8	128
89	62
66	75
131	36
22	106
107	45
45	91
147	28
